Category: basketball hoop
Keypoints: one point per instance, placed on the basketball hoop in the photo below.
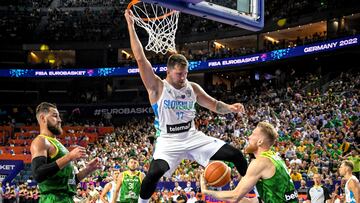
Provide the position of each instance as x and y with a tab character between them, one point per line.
159	22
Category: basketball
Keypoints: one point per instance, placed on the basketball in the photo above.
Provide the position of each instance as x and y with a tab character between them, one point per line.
217	174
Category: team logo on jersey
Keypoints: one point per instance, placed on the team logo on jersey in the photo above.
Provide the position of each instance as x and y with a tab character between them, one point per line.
180	96
179	128
291	195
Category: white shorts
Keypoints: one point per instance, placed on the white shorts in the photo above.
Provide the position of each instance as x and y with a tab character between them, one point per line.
194	145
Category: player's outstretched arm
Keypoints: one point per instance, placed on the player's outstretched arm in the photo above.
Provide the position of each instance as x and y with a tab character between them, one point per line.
92	166
205	100
151	81
41	169
247	183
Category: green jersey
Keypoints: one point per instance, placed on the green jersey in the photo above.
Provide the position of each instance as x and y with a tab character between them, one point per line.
63	182
130	187
280	187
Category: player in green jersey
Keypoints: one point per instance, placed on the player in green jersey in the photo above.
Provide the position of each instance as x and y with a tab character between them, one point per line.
129	183
52	164
267	172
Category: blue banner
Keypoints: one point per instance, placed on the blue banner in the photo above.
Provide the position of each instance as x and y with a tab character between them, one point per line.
9	169
95	110
214	64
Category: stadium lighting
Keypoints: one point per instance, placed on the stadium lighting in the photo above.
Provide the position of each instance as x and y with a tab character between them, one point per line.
44	47
271	39
219	45
33	55
127	54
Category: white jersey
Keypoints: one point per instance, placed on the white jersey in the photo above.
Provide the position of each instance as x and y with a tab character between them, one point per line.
177	137
111	192
349	195
175	110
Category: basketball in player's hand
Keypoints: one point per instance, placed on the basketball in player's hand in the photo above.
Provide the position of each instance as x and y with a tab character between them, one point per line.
217	174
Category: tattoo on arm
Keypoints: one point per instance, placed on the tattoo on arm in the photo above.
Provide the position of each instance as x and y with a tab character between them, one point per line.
222	108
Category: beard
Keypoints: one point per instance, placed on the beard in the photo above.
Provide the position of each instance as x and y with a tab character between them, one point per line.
250	149
53	129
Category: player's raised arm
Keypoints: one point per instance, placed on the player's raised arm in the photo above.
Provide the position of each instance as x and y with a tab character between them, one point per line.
151	81
205	100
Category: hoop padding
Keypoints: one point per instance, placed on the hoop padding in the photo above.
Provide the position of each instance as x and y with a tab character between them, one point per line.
159	22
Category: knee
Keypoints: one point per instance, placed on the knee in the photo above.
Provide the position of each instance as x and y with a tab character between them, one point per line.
157	169
235	154
155	174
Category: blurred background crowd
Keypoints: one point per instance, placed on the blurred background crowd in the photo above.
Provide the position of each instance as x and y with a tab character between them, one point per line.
312	100
317	130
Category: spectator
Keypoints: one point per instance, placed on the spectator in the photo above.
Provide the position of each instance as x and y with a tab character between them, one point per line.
192	198
177	186
175	195
188	187
199	198
318	193
303	189
295	175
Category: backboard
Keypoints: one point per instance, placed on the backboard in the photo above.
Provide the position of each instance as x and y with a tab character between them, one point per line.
252	20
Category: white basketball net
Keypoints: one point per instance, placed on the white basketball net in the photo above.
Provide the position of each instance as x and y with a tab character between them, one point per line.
161	29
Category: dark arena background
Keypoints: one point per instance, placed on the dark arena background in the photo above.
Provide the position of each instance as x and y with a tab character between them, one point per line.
300	73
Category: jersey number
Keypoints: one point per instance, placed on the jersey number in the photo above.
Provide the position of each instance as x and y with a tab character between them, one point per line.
180	115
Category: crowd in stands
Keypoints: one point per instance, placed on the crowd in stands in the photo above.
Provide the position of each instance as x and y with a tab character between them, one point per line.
98	21
24	3
92	3
23	193
89	25
17	23
95	20
318	128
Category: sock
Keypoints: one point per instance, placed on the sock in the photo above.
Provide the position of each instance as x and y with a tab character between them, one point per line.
140	200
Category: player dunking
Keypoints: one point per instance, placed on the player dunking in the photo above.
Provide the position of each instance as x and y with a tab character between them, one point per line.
52	164
173	101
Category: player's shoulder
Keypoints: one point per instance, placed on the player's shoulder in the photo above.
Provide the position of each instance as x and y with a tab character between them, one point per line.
263	160
110	184
40	143
354	180
39	140
196	87
193	84
260	163
264	166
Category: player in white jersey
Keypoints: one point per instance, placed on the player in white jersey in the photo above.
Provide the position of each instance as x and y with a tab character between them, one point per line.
352	186
109	189
173	101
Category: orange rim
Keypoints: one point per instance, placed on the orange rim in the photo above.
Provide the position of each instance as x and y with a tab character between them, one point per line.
133	2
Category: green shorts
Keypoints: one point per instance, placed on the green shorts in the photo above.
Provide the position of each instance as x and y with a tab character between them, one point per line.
58	198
